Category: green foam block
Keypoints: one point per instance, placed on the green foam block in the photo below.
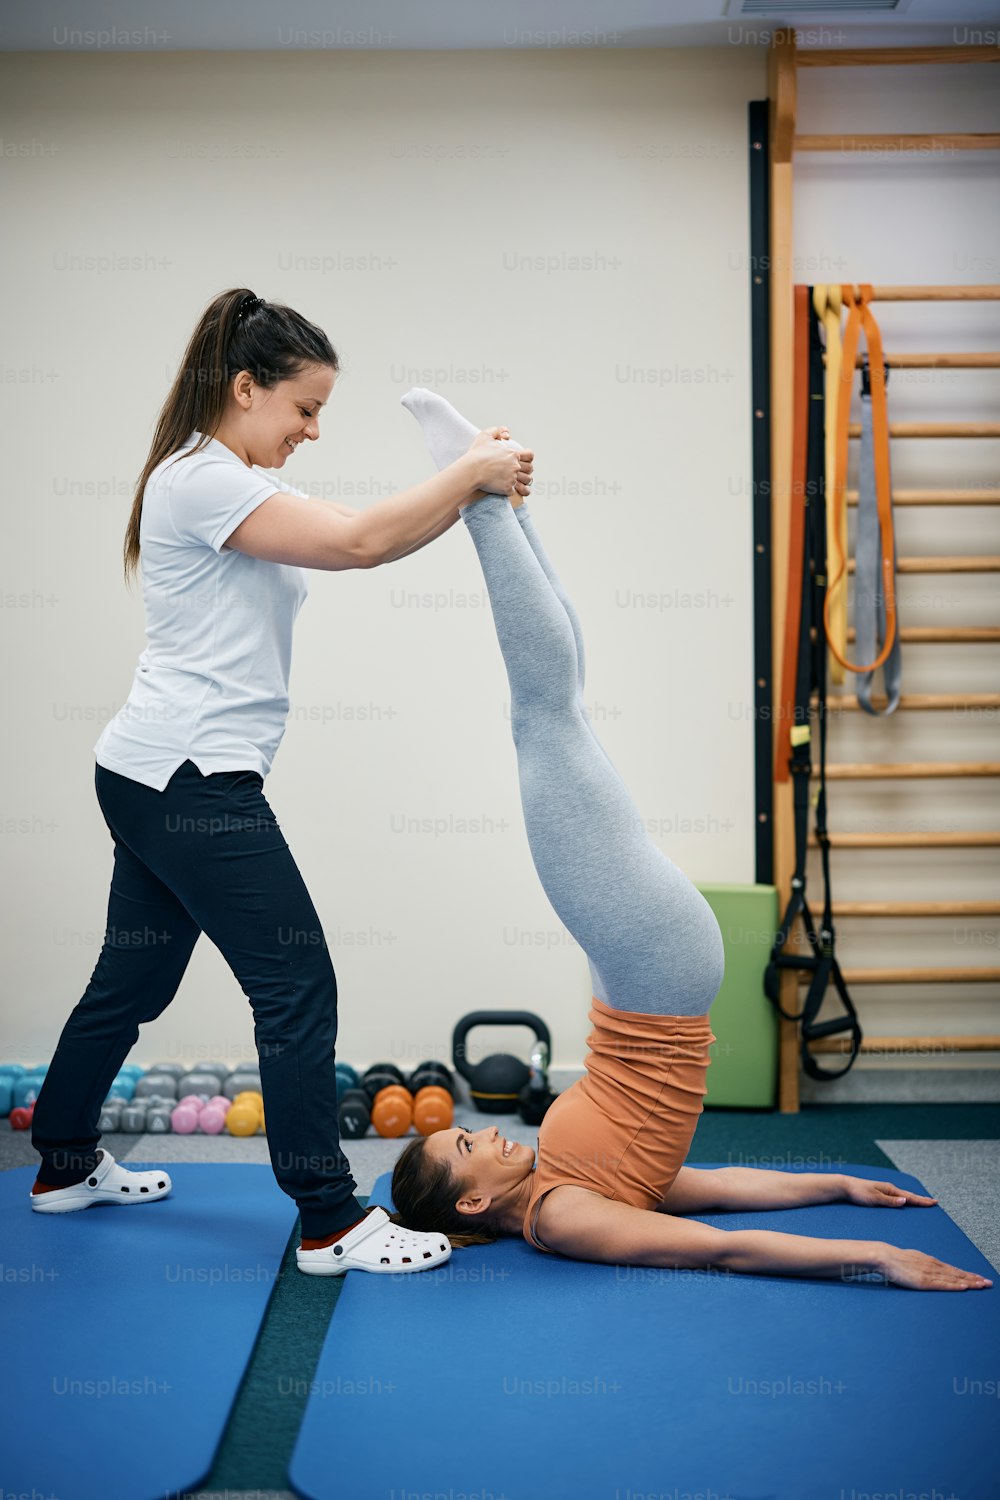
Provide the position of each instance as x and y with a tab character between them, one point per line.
744	1068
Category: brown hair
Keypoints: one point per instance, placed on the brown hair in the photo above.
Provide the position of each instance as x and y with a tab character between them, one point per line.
273	342
425	1192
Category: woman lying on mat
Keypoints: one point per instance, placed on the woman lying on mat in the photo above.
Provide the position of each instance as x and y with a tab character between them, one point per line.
608	1184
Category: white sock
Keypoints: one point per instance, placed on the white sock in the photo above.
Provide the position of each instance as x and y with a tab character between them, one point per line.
448	433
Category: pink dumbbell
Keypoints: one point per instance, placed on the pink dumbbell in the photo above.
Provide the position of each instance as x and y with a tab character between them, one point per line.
212	1120
184	1117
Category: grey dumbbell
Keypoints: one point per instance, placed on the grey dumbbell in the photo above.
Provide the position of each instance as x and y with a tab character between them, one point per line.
239	1083
158	1119
111	1115
133	1117
221	1070
197	1082
162	1084
175	1069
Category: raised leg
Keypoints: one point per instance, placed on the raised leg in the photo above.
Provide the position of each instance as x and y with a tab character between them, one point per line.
653	941
448	435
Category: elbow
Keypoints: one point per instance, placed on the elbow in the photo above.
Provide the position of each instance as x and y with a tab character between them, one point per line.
729	1251
362	550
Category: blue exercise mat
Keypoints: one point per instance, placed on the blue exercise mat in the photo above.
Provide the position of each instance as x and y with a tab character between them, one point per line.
509	1373
126	1331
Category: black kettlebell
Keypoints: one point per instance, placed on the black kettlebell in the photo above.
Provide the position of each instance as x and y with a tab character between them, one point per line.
501	1083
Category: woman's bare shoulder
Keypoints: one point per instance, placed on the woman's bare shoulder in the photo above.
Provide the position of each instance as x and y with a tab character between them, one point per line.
562	1203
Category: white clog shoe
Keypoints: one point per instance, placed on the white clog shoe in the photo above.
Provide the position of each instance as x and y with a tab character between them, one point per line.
377	1244
108	1183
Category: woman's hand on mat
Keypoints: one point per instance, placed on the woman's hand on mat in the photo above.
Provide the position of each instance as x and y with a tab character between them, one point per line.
882	1194
923	1273
500	469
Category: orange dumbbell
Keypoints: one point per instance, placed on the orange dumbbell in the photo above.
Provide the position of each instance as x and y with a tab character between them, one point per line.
392	1110
433	1109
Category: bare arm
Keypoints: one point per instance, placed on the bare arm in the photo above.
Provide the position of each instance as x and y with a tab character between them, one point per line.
697	1190
439	530
587	1226
311	533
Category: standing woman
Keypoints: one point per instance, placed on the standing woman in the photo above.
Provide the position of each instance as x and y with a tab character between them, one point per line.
180	769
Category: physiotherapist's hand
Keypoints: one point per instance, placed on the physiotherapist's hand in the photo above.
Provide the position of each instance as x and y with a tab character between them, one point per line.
499	468
882	1194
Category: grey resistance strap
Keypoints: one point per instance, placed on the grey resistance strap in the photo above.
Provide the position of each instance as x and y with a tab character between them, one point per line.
869	610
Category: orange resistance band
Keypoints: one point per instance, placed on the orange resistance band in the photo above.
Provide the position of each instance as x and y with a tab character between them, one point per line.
859	315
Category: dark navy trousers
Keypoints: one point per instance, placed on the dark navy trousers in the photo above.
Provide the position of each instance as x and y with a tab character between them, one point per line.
207	855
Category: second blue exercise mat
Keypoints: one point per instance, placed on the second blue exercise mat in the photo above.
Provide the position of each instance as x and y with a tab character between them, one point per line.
510	1373
127	1330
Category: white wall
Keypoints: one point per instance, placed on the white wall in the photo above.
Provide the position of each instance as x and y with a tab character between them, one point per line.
443	169
211	170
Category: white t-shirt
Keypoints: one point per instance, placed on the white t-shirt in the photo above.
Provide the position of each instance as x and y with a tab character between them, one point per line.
212	684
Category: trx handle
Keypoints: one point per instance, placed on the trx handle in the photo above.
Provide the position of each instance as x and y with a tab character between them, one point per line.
858	317
824	967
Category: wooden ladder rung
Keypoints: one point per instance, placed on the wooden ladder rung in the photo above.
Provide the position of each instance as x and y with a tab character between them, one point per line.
911	976
937	497
915	908
938	360
868	57
916	1044
935	429
907	769
930	701
975	140
957	634
900	770
980	564
953	838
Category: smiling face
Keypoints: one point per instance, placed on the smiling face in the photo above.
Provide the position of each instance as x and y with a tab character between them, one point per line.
266	425
491	1167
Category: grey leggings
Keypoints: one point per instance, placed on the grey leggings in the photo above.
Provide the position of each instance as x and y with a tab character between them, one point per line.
651	938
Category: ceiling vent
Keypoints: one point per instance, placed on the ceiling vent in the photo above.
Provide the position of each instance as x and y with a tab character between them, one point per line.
832	10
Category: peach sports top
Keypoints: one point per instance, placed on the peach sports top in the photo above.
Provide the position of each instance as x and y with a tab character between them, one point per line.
624	1128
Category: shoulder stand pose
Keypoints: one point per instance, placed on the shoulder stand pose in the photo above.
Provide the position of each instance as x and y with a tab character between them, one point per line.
608	1183
180	769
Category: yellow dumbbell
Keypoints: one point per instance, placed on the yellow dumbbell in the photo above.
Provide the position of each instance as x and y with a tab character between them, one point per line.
243	1118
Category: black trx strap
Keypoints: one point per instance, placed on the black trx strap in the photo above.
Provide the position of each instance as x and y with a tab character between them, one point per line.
811	676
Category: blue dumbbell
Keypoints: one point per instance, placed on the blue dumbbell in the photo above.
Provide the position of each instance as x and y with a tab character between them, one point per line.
26	1090
6	1095
347	1077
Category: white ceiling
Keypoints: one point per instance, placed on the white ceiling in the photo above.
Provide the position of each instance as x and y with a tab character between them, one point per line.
402	25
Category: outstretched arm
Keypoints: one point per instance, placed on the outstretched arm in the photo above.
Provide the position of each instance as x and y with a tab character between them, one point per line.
587	1226
729	1189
